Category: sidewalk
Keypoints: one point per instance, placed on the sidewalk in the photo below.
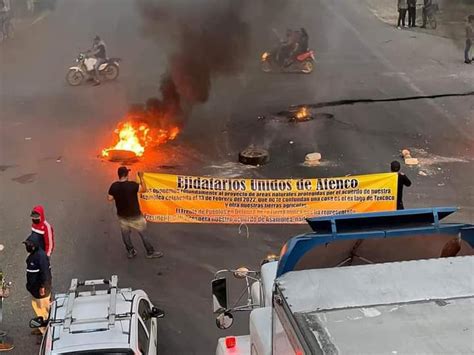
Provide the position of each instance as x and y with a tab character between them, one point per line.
451	18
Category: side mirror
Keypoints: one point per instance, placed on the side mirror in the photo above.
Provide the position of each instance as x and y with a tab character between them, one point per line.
224	320
38	322
157	313
219	294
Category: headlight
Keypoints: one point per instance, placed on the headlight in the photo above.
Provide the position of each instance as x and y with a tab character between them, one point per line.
269	258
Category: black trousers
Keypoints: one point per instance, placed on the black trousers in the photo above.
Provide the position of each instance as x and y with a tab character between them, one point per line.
412	16
402	14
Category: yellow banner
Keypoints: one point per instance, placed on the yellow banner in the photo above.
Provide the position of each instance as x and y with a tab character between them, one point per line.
190	199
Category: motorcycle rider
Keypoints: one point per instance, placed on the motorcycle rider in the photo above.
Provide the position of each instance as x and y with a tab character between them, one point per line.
304	41
289	48
299	45
99	52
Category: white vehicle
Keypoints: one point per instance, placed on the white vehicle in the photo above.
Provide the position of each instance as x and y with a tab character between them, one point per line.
85	69
114	320
306	303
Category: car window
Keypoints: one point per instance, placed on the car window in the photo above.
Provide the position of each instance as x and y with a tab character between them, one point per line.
144	310
143	339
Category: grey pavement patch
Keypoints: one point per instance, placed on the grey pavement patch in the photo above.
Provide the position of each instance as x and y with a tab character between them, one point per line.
25	179
232	169
6	167
427	162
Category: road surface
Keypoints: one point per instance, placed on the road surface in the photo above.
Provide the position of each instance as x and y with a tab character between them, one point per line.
51	135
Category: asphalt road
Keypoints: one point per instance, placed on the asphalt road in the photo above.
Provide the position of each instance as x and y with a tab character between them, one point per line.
51	134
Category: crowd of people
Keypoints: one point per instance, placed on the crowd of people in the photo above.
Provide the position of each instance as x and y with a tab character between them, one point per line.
428	10
409	7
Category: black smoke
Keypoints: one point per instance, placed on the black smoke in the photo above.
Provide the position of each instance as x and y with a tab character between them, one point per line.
208	39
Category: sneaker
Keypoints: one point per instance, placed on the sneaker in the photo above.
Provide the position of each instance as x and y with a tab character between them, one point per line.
154	255
96	83
131	253
468	61
6	347
399	27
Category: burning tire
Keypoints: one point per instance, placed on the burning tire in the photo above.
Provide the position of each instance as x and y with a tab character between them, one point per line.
119	155
74	77
111	72
254	156
307	67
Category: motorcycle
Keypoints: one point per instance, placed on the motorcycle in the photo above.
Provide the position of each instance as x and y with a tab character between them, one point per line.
85	69
303	63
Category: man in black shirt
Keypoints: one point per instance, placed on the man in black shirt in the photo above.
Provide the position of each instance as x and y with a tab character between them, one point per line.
38	278
403	180
125	195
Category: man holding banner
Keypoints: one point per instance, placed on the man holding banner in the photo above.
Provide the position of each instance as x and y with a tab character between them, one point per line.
403	180
125	195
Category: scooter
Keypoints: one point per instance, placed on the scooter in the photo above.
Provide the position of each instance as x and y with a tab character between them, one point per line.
85	69
303	63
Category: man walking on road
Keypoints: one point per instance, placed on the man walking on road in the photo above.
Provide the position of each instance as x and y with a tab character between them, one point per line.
411	13
403	180
402	13
41	226
125	195
469	39
38	279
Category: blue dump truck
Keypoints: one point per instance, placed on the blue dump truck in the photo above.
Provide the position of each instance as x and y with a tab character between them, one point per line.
398	282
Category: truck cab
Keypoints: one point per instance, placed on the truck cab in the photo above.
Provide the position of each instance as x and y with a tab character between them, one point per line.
387	282
113	320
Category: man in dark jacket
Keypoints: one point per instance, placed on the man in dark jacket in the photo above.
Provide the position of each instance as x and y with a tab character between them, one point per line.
38	278
403	180
411	13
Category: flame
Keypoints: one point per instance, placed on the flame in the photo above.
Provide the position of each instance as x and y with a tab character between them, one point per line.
302	113
137	136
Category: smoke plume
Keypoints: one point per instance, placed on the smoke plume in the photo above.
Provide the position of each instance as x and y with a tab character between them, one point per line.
209	38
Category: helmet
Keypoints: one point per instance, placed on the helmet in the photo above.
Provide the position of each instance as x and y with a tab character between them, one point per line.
96	39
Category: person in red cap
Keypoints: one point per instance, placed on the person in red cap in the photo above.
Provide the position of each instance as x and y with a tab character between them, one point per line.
42	227
125	195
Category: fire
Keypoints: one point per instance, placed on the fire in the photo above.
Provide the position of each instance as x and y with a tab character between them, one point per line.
137	136
302	113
